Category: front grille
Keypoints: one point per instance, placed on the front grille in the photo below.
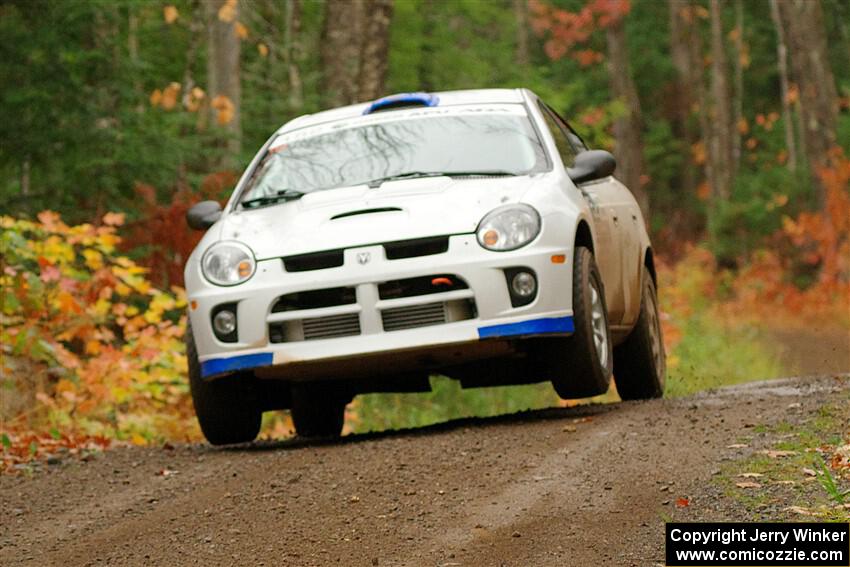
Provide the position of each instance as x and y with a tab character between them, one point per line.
314	328
414	316
315	299
422	285
416	247
332	326
314	261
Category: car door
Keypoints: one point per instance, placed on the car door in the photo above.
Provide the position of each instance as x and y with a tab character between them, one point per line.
602	199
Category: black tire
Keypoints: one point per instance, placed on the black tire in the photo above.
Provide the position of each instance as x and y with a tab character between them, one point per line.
639	363
581	372
227	408
318	410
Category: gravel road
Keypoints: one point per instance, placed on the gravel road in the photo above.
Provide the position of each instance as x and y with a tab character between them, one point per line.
588	485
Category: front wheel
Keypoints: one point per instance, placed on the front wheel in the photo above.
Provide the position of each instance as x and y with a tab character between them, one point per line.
585	359
227	408
318	410
639	363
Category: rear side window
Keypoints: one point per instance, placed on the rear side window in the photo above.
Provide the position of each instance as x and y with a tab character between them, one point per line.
565	148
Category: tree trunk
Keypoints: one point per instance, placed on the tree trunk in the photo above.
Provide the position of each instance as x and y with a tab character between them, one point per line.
223	70
720	148
340	51
292	53
522	57
374	53
782	58
739	84
628	149
25	178
689	83
426	51
802	21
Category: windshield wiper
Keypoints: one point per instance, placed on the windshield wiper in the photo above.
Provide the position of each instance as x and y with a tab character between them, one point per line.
406	175
280	195
420	174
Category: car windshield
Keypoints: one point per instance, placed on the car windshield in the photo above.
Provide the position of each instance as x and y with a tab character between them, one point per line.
375	149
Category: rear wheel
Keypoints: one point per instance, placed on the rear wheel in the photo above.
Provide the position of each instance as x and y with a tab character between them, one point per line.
318	410
227	408
585	359
639	362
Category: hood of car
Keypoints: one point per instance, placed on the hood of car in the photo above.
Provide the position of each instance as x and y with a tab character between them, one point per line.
357	216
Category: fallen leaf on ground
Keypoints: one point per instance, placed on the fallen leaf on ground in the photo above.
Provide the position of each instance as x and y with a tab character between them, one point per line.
737	446
800	510
751	475
747	485
809	472
569	429
682	502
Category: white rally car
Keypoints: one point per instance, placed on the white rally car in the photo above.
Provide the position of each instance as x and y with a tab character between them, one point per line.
468	233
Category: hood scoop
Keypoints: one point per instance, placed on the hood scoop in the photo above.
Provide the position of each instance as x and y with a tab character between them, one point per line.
366	212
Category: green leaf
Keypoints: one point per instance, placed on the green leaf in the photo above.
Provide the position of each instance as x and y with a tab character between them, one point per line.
7	443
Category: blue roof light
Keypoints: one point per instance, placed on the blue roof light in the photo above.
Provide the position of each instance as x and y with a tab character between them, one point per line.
402	100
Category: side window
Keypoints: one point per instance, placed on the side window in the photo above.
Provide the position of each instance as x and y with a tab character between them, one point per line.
565	148
577	142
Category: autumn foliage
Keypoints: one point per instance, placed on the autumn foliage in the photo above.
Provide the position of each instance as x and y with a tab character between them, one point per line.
160	237
566	30
91	351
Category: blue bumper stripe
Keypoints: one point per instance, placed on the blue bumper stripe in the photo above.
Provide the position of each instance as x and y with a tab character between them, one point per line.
222	365
533	327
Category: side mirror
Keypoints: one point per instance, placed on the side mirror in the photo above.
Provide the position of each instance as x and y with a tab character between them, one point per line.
591	165
203	215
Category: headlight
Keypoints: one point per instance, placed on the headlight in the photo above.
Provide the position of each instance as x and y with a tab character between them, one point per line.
508	227
228	263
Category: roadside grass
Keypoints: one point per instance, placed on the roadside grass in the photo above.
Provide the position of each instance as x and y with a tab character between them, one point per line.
712	354
795	480
446	401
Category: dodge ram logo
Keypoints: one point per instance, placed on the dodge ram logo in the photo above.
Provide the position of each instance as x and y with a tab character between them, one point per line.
363	257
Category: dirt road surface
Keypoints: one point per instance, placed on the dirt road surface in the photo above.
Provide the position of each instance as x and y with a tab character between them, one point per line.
577	486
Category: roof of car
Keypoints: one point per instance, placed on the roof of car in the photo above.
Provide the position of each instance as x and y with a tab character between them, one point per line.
445	98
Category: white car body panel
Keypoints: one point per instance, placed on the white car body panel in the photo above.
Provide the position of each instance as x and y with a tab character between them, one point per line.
429	207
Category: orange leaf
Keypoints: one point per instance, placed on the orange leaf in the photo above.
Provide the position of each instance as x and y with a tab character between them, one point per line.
113	219
227	13
682	502
170	14
240	30
224	109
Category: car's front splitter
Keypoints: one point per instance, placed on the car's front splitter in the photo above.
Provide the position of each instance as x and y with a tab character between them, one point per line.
560	325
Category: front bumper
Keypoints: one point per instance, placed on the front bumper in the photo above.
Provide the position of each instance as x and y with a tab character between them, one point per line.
494	318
